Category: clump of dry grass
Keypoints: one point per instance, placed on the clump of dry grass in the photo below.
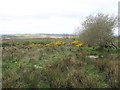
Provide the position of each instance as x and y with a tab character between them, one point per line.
100	65
112	73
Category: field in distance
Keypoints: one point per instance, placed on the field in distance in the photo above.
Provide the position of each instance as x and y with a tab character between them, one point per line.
35	36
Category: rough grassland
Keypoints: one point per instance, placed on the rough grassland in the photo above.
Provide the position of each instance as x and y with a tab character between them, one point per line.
31	63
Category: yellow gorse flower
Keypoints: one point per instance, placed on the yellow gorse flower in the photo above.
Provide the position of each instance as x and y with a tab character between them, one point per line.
77	43
59	43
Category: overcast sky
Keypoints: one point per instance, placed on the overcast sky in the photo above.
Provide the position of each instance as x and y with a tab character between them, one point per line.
50	16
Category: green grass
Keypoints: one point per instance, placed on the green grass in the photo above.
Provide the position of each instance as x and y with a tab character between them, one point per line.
57	67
